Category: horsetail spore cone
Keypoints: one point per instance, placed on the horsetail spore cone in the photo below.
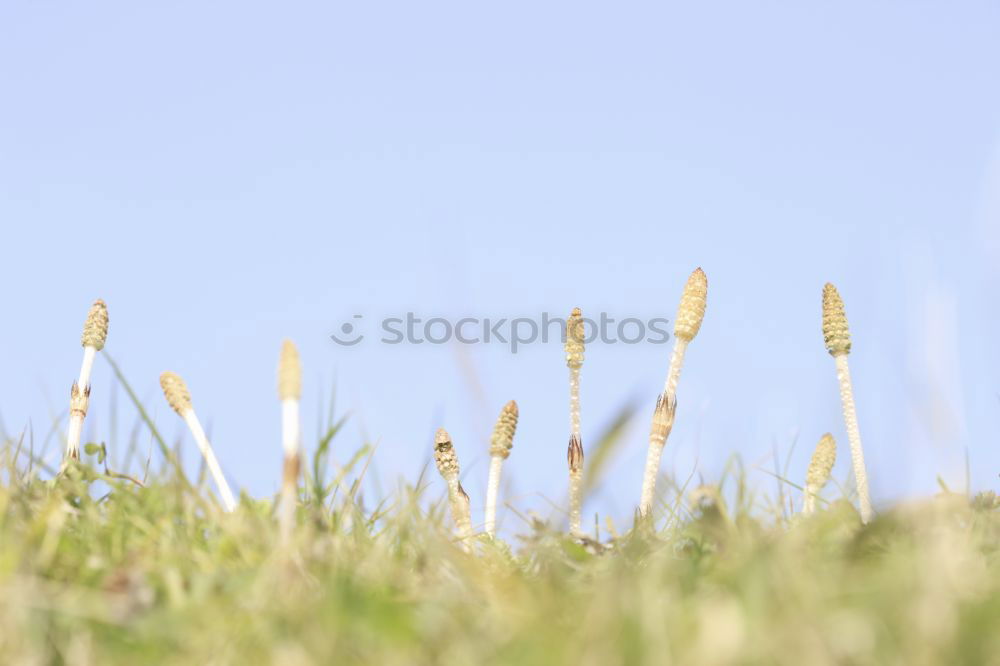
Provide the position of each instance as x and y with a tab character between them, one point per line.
691	310
690	314
95	329
95	334
176	392
290	393
447	465
836	334
819	471
574	339
838	342
179	398
574	361
500	445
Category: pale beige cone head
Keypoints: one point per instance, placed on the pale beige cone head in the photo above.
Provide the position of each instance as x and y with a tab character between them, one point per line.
691	311
574	339
95	329
444	454
176	392
502	440
822	462
289	372
835	331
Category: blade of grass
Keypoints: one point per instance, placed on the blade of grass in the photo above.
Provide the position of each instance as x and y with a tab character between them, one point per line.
144	415
608	443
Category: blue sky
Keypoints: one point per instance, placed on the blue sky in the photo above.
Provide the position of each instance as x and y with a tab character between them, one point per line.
228	174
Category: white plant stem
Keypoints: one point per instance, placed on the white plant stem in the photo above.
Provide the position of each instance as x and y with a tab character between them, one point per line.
575	488
89	353
73	437
676	361
76	416
649	477
655	450
290	441
289	496
809	500
290	426
575	475
854	437
574	401
492	490
228	501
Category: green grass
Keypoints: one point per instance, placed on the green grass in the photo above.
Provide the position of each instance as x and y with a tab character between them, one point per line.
98	570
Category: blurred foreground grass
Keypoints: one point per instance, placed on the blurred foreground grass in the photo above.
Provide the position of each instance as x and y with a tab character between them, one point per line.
97	570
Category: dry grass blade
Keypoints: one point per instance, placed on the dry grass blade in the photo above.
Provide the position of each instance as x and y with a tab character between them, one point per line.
605	446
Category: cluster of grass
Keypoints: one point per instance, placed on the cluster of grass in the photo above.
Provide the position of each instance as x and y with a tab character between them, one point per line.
98	570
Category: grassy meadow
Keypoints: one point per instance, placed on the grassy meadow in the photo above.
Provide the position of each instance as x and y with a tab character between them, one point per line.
160	574
147	564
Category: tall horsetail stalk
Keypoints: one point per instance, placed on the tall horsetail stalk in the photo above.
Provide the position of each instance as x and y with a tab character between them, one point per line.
690	314
819	470
179	398
574	452
95	334
838	342
500	445
447	464
290	393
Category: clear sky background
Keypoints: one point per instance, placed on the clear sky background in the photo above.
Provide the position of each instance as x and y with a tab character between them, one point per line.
227	174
